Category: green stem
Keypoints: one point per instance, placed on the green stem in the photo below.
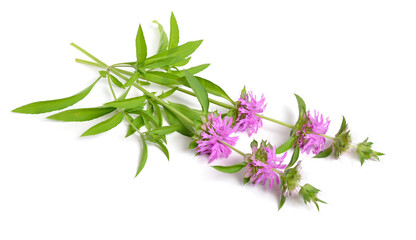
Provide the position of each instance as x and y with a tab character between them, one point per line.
234	149
276	121
111	88
89	55
87	62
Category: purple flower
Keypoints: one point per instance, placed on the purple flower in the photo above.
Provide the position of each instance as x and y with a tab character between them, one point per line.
247	121
216	131
263	165
308	136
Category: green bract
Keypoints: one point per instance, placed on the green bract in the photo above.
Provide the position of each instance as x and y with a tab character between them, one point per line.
309	193
342	140
365	152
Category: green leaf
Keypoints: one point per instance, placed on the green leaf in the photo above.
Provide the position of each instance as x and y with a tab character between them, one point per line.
324	153
199	90
174	32
103	74
193	114
149	117
246	180
162	78
128	103
144	83
163	148
294	158
163	40
141	48
173	120
143	157
116	81
105	125
53	105
211	88
172	56
165	130
124	95
282	201
286	146
230	169
138	123
301	105
343	126
132	79
192	144
192	70
167	93
157	112
81	114
182	63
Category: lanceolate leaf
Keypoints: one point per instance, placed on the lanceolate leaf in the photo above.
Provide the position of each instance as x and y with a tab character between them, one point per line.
105	125
193	114
163	41
128	103
167	93
183	62
149	117
211	88
301	105
230	169
294	158
174	32
324	153
343	126
192	70
173	120
162	78
141	49
81	114
132	79
282	201
157	112
138	123
53	105
171	56
163	148
116	81
165	130
143	157
124	95
199	90
286	146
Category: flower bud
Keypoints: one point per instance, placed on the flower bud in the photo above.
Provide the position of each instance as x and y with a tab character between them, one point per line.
365	152
308	193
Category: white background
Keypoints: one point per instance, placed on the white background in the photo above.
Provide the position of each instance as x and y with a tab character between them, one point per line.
352	58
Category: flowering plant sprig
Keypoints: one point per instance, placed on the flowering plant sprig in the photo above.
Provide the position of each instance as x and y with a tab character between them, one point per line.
212	134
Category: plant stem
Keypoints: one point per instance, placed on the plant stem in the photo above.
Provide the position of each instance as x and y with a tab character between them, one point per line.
234	149
89	55
87	62
276	121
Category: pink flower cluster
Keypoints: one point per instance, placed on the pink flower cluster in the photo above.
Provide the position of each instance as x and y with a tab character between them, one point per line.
309	138
216	131
263	165
247	120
